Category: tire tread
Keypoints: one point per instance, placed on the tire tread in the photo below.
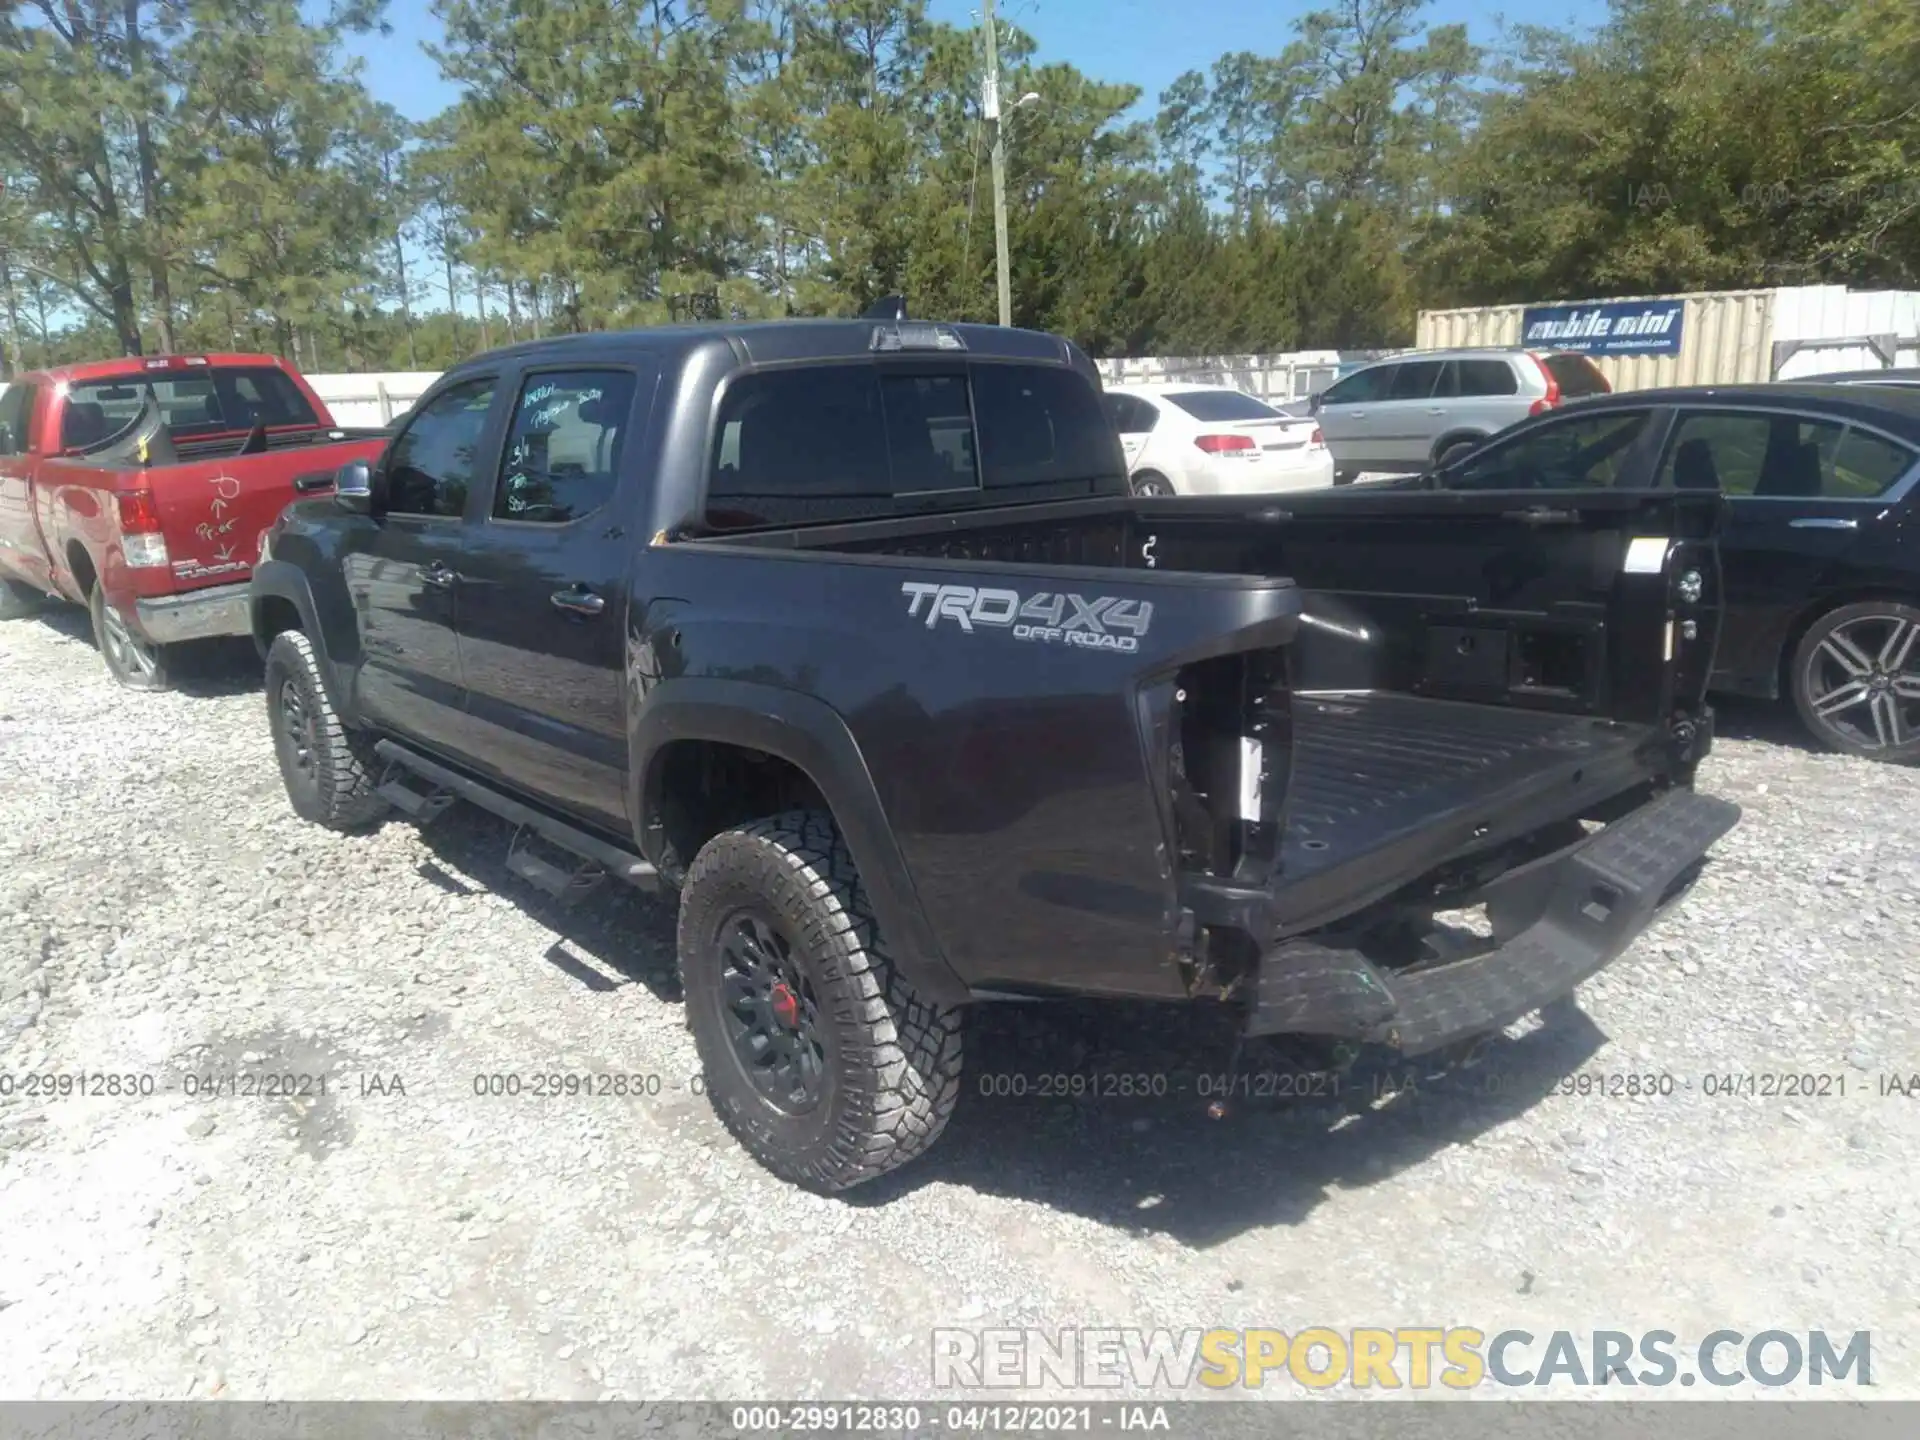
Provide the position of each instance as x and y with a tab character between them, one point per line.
901	1052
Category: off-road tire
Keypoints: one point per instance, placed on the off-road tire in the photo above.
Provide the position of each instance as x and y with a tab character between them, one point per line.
891	1057
131	660
17	600
337	789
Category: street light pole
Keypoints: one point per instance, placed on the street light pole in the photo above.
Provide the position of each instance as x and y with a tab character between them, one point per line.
990	103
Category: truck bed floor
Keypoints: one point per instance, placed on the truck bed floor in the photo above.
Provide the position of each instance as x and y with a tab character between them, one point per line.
1371	768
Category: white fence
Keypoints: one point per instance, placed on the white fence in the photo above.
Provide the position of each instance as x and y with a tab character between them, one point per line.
372	399
1279	379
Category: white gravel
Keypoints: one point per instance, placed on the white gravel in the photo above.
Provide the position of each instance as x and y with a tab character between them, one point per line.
162	912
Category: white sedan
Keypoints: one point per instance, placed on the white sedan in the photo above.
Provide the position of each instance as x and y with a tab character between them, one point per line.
1214	440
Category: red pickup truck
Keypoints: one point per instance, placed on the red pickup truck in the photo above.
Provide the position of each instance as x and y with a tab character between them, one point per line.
141	488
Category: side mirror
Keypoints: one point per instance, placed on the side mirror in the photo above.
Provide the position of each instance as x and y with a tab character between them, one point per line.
6	440
1313	402
353	487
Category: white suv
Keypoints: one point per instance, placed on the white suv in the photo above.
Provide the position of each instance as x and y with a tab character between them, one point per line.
1421	410
1214	440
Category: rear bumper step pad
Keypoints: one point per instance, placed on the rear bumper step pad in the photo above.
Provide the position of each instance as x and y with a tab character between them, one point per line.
1557	921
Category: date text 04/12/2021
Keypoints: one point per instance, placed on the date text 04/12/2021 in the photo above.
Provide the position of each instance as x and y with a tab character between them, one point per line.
198	1084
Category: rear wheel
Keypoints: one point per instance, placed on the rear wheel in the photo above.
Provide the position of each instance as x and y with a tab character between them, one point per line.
1855	680
1152	482
17	599
1454	450
132	659
329	770
818	1054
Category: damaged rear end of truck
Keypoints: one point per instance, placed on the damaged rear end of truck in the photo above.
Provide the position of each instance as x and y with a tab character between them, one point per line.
1467	786
1414	765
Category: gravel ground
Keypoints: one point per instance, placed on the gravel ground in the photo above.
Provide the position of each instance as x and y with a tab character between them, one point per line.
163	914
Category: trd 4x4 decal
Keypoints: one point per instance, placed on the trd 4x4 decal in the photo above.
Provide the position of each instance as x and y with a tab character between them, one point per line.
1047	617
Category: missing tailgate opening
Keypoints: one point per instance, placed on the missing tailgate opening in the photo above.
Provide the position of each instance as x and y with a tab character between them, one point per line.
1229	762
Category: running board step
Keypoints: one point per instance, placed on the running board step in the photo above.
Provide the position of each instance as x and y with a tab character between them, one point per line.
566	886
600	854
419	806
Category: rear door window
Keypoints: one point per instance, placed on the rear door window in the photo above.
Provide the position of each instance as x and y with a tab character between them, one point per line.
564	445
824	443
1781	457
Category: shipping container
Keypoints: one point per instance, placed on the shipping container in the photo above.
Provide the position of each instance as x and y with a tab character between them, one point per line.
1726	337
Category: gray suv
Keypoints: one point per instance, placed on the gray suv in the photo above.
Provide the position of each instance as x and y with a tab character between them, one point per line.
1414	411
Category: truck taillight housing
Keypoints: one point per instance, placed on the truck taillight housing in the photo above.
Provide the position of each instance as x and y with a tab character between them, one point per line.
1226	444
141	542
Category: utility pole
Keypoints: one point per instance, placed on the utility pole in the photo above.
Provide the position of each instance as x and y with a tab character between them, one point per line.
990	104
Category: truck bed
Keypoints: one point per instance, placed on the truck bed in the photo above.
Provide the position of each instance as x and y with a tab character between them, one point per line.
1370	768
1379	779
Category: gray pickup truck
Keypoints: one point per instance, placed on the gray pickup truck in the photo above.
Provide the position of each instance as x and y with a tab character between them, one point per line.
851	633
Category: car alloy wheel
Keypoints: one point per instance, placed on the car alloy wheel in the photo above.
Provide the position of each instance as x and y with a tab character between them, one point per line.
772	1014
1152	485
1859	681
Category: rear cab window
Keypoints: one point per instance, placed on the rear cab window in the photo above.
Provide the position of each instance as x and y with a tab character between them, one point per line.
823	443
192	403
1222	406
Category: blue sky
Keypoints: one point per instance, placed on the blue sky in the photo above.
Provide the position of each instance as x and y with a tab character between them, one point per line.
1144	42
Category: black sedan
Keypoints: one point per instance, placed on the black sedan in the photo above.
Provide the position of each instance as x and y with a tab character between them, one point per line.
1820	544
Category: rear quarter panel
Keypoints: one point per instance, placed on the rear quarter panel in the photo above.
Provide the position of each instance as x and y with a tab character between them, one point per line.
1012	771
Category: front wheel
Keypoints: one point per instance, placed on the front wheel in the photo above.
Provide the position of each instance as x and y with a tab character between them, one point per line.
820	1057
1855	680
132	659
329	770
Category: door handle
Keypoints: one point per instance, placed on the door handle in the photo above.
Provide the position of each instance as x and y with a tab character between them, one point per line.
1435	410
578	600
439	575
1818	522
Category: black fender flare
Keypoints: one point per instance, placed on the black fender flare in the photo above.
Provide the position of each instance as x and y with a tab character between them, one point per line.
280	580
810	735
